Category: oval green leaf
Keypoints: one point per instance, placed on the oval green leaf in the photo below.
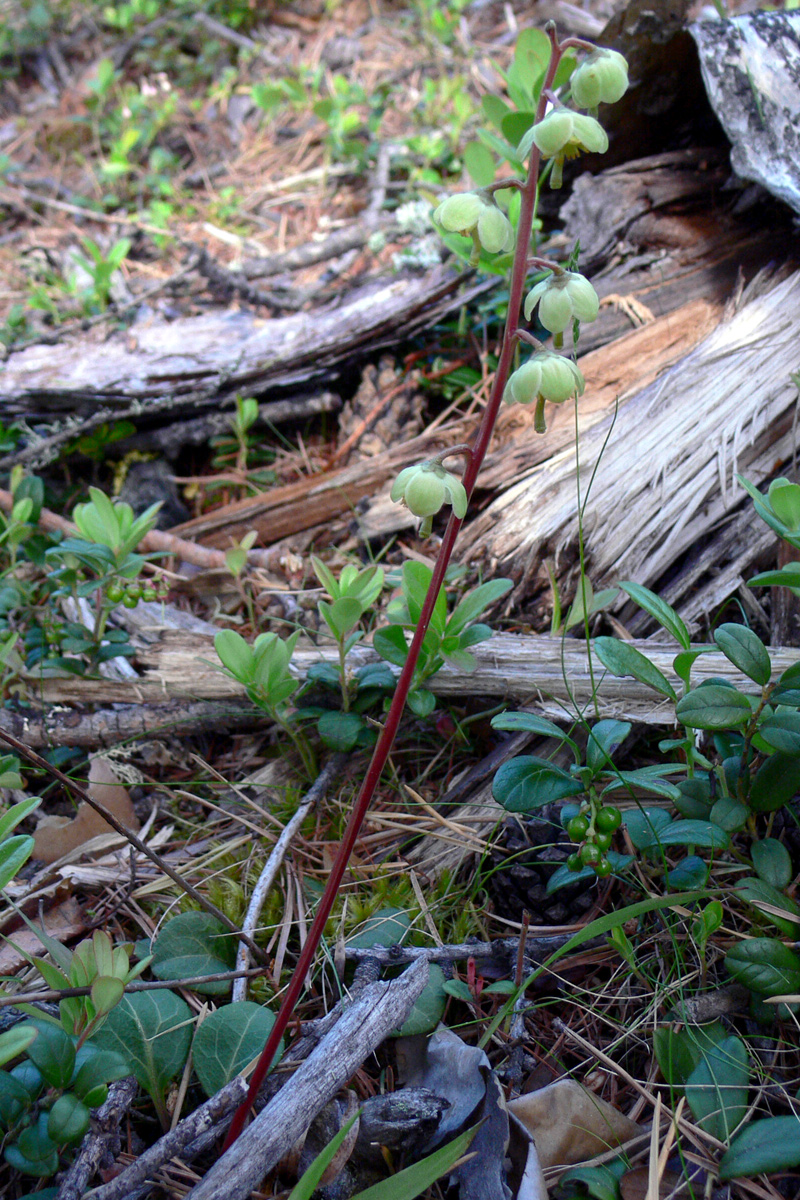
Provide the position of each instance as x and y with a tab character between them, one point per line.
228	1040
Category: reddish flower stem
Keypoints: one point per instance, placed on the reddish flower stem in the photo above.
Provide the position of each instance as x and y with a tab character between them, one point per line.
387	735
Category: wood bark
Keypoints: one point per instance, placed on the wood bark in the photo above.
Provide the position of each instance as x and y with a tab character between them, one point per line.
543	672
381	1008
666	466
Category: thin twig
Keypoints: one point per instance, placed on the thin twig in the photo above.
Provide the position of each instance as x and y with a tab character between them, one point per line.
313	796
138	985
37	761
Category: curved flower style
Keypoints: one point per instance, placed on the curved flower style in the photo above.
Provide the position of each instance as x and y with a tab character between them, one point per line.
425	488
564	134
545	376
562	299
477	214
601	78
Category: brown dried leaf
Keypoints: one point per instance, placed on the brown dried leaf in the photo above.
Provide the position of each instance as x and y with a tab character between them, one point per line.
58	836
64	921
569	1124
634	1184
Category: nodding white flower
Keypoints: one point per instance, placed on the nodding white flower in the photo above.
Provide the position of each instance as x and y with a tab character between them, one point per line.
602	78
476	213
426	487
564	134
562	299
545	376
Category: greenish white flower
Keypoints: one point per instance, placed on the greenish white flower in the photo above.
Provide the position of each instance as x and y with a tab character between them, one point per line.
426	487
545	376
477	214
564	134
562	298
602	78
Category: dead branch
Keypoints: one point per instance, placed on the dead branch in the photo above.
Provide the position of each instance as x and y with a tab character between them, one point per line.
110	727
381	1008
102	1143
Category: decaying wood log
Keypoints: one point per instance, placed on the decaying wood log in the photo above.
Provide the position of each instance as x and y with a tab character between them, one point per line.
108	727
546	673
667	476
194	362
379	1009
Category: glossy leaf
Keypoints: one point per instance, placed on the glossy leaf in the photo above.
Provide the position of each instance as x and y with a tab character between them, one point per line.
775	783
528	722
526	783
772	862
429	1007
659	610
713	707
765	966
67	1120
746	651
340	730
52	1052
765	899
605	738
622	659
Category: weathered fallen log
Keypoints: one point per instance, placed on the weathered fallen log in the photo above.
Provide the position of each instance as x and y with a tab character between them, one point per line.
545	673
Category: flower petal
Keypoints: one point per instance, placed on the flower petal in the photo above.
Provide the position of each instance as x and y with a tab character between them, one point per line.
494	229
459	213
590	133
554	131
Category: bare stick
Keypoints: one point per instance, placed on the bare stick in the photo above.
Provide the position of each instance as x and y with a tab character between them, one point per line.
381	1008
102	1142
273	864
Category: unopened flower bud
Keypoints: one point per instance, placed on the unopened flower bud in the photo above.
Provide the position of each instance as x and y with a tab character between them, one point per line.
426	487
562	298
602	78
476	213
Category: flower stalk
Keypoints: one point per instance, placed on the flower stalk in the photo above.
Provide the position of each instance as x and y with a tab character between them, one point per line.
451	212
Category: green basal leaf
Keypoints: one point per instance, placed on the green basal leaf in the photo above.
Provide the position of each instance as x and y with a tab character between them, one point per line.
235	654
386	927
228	1040
622	659
772	1144
694	833
788	576
459	990
17	812
787	689
421	702
659	610
339	730
713	707
694	798
94	1069
193	944
480	163
391	644
429	1007
14	853
746	651
772	862
678	1051
152	1031
526	783
476	602
765	966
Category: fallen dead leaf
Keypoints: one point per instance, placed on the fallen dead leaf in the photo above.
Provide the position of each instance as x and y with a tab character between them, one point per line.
634	1184
56	836
569	1124
63	921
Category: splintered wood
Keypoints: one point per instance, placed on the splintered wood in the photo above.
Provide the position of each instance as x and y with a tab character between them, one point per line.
663	466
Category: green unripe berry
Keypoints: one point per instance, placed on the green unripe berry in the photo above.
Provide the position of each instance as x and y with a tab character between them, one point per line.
130	599
589	854
602	841
608	820
149	593
574	862
602	868
577	828
114	593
